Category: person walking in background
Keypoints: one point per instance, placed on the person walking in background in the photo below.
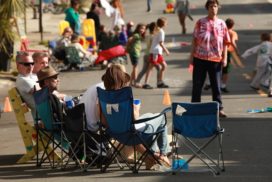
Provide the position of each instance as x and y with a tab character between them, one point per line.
264	59
231	48
134	49
209	52
117	14
148	40
156	57
72	16
149	4
94	14
182	8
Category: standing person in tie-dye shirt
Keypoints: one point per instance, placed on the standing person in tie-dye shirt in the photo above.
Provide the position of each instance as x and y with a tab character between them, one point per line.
209	53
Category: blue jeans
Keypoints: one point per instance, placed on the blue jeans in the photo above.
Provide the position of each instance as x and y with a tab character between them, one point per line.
153	126
201	68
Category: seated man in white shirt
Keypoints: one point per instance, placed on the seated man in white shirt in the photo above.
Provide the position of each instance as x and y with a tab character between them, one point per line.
90	101
26	83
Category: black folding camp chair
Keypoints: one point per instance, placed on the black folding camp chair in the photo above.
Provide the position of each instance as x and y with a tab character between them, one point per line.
85	144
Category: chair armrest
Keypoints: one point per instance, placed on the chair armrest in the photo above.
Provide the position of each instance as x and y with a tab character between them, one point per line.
163	112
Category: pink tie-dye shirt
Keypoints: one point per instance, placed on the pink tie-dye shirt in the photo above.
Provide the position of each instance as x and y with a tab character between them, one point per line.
210	37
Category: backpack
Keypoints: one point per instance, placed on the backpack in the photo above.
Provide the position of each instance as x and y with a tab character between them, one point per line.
71	55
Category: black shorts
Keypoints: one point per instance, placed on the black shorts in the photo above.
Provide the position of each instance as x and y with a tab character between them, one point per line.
134	60
226	69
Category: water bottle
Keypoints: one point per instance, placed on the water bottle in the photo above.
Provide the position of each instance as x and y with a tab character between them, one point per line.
180	164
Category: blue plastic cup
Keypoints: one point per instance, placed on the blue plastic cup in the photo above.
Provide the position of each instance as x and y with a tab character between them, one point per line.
136	101
69	102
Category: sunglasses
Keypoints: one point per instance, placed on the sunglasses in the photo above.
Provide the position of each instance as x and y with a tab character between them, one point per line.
27	64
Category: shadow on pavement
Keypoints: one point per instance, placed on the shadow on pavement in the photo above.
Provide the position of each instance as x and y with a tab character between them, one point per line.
245	153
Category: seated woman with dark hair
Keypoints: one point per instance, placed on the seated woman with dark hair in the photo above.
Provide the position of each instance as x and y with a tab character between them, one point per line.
116	78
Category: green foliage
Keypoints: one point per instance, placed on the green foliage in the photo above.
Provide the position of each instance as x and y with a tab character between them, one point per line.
9	10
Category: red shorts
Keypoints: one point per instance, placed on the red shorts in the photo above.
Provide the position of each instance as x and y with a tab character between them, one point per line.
157	59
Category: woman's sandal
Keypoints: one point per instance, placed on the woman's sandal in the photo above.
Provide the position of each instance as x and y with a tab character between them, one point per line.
163	159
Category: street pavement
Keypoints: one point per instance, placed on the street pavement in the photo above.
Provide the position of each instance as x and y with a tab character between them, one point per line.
247	139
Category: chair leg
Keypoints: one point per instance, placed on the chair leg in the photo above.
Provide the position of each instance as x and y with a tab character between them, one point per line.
200	150
221	157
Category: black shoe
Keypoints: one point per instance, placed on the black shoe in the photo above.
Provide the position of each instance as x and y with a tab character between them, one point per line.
162	85
269	94
254	88
265	86
225	90
207	87
146	86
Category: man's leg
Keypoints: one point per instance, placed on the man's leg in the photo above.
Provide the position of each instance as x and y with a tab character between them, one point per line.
199	76
214	72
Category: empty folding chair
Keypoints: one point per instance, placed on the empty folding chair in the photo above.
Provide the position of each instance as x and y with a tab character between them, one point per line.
198	125
85	144
74	124
117	108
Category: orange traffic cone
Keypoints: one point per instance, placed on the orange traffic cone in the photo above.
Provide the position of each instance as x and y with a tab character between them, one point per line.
7	106
166	98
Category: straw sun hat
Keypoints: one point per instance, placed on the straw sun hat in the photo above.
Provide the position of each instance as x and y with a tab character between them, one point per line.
46	72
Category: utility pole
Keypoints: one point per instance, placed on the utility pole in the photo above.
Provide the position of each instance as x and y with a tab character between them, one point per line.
25	17
40	20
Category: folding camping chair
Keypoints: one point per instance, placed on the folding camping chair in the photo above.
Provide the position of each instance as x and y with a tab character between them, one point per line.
117	108
74	121
85	144
28	132
198	124
50	113
62	25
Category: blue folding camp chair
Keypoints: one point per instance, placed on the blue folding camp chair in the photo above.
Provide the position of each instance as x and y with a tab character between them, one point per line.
117	108
198	124
50	113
